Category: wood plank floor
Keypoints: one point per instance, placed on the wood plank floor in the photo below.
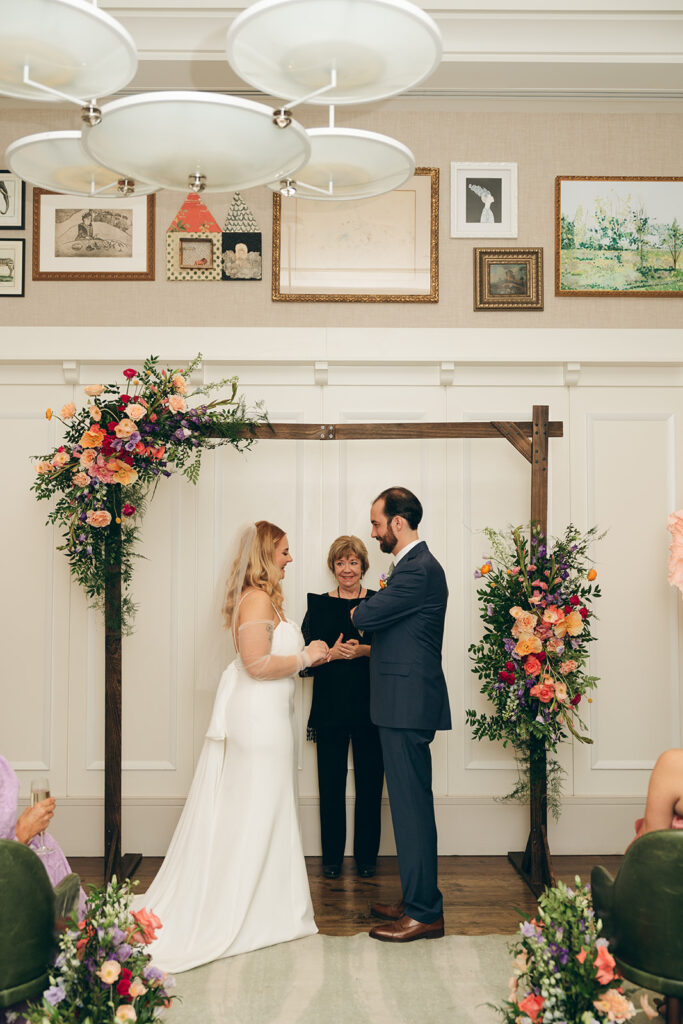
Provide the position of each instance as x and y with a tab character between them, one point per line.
482	895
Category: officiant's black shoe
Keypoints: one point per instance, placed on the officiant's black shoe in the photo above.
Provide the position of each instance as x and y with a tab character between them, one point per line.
388	911
406	929
366	870
331	870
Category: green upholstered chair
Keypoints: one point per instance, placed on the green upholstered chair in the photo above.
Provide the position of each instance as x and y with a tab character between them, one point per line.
642	915
28	904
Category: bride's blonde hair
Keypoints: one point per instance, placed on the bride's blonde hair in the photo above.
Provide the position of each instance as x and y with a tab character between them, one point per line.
261	572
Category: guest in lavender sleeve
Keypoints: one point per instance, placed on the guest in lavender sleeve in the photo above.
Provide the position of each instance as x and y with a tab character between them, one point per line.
26	827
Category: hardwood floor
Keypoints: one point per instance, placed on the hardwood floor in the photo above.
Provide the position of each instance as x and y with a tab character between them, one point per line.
482	895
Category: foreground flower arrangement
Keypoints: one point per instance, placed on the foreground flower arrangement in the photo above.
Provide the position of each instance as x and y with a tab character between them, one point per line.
103	974
563	970
116	449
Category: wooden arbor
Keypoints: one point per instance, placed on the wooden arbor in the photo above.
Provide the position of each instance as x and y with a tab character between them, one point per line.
529	438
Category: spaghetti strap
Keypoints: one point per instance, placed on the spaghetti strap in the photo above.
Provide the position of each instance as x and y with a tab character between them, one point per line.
277	613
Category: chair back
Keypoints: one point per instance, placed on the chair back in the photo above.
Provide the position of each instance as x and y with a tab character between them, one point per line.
642	911
27	911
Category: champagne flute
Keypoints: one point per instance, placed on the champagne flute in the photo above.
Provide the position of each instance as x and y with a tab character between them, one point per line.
40	790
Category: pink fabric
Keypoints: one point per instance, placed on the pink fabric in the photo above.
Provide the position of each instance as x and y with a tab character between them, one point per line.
674	525
676	822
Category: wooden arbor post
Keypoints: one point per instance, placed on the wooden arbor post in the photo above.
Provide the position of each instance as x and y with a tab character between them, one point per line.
529	438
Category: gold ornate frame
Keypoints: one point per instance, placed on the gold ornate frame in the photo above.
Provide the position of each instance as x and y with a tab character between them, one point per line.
431	296
486	297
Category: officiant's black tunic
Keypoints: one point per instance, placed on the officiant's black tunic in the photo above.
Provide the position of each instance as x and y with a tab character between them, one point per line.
340	713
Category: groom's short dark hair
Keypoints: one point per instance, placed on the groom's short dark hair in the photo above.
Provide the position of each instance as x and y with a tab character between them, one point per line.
399	501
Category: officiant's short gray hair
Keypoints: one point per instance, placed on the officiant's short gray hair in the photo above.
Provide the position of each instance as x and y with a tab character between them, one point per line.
399	501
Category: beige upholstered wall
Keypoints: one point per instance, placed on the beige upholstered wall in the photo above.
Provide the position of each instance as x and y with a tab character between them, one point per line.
543	143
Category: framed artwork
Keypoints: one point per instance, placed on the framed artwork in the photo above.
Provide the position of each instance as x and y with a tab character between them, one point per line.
508	279
383	249
193	256
93	239
12	201
619	236
11	267
242	260
483	200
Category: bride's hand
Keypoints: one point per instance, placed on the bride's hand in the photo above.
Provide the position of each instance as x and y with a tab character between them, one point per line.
317	652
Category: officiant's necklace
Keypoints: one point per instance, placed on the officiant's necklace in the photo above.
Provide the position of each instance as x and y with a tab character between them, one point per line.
360	591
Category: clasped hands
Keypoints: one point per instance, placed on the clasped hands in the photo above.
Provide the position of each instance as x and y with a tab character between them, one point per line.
321	654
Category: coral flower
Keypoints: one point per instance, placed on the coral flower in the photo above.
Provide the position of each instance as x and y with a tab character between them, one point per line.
572	624
68	411
532	1005
93	390
98	518
553	614
95	413
581	956
179	384
605	964
109	971
92	438
532	666
544	691
528	644
561	691
125	428
147	922
44	467
568	666
60	459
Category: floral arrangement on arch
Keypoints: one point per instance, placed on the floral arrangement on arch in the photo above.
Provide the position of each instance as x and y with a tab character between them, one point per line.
535	601
114	451
563	970
103	974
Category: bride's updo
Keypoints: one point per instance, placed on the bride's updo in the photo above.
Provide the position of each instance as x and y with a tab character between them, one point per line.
254	566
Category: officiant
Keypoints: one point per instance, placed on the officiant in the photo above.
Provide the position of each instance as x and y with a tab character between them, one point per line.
340	713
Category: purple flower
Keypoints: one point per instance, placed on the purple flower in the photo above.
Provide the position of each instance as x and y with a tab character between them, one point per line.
477	574
151	973
123	952
489	609
54	994
117	936
509	644
528	930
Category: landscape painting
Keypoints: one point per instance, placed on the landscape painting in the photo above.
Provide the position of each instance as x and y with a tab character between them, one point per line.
619	236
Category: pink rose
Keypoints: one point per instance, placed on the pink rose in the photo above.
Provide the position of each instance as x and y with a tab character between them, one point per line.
68	411
179	384
147	922
60	459
135	411
81	479
177	403
125	428
568	666
92	390
98	518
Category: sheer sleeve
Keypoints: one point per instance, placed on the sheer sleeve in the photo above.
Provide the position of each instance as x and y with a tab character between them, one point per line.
255	639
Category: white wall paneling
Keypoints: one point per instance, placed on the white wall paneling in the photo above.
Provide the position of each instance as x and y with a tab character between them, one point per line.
616	466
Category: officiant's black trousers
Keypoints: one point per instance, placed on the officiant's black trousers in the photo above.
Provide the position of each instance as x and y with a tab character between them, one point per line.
408	767
333	750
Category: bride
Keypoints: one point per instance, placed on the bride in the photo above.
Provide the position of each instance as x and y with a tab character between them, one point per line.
234	878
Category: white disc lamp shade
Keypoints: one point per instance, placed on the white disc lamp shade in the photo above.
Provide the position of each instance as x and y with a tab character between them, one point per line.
347	163
165	138
68	45
58	161
377	48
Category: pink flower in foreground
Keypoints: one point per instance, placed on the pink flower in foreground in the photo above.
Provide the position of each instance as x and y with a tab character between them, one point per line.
98	518
147	922
616	1006
68	411
605	963
532	1005
674	525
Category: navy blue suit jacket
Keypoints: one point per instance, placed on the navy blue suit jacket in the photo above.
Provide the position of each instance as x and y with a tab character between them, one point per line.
406	619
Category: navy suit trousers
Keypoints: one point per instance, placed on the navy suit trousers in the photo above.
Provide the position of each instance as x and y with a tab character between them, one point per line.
408	770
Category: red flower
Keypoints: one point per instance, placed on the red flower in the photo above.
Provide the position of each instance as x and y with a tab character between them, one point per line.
574	600
111	427
124	399
128	459
510	666
541	655
153	417
575	700
128	510
567	609
584	613
61	448
129	374
123	987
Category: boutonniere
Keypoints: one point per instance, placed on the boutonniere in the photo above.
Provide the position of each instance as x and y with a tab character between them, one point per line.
385	577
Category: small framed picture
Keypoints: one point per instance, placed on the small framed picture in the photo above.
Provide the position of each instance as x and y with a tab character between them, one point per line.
508	279
483	200
12	201
195	252
11	267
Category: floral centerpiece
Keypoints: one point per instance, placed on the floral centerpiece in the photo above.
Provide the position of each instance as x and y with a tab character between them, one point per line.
563	970
103	974
535	600
114	451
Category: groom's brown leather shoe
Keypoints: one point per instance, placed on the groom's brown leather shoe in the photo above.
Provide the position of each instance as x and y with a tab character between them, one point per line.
407	930
388	911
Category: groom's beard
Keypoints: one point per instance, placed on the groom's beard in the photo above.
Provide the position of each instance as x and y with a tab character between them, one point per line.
387	543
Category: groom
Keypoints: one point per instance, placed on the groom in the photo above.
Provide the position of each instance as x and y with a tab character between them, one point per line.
408	702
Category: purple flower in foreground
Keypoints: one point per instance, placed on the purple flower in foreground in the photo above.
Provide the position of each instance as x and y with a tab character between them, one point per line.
489	609
528	930
54	994
477	574
123	952
151	973
118	936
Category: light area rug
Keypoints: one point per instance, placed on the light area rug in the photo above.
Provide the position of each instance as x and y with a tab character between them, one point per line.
352	980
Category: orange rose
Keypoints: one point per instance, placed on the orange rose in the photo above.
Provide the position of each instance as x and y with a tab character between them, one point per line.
125	428
92	390
572	624
528	644
485	569
592	575
544	691
98	518
68	411
532	666
92	438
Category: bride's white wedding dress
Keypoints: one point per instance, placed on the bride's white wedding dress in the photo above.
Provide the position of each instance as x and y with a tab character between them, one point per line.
234	878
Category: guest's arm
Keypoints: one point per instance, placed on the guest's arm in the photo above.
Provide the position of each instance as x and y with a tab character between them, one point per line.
34	820
665	792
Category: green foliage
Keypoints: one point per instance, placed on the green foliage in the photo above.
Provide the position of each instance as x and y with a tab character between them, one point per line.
114	453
